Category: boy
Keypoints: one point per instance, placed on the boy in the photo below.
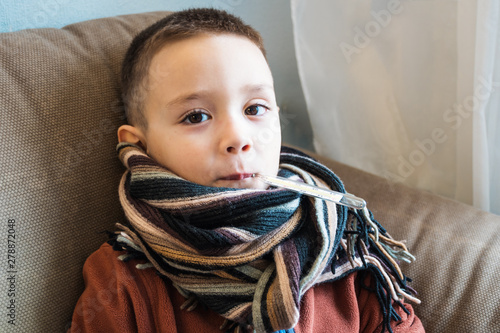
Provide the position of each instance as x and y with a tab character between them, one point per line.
208	246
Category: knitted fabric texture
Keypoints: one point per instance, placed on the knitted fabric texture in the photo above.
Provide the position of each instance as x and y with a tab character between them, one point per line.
250	255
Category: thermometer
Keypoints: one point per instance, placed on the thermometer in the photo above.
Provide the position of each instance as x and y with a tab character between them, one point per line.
345	199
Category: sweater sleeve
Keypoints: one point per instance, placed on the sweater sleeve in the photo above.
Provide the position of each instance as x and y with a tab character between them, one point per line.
371	316
116	296
343	306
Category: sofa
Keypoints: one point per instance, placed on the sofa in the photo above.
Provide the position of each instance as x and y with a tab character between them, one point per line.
60	108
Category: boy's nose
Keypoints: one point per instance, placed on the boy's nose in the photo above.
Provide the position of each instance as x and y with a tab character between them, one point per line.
237	148
235	138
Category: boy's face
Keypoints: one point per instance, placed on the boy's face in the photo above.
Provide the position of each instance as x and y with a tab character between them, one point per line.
211	112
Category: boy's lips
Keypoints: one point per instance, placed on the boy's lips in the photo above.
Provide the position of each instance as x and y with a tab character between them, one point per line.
237	176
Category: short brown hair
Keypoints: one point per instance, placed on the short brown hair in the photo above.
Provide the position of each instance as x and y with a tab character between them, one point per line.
176	26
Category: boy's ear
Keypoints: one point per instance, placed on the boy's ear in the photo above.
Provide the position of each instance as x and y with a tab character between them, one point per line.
132	134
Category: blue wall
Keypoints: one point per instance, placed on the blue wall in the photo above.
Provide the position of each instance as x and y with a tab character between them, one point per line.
271	17
16	15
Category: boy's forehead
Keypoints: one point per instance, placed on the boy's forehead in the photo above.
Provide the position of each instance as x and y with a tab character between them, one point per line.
195	41
202	54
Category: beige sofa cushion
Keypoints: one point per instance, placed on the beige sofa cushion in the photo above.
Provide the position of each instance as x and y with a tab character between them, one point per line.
60	108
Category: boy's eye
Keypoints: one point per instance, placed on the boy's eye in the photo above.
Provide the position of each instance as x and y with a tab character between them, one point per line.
196	117
255	110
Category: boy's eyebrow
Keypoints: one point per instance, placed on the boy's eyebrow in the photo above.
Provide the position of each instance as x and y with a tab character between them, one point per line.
186	97
257	87
253	88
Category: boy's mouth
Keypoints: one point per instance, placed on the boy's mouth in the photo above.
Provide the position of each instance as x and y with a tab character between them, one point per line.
238	176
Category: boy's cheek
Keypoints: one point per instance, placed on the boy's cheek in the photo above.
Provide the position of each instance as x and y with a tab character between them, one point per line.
271	133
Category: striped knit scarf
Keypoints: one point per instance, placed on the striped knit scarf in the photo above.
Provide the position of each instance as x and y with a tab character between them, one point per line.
250	255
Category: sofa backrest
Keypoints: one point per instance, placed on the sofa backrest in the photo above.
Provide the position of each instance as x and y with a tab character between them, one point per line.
59	111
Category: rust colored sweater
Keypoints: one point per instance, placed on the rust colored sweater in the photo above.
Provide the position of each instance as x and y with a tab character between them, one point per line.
118	297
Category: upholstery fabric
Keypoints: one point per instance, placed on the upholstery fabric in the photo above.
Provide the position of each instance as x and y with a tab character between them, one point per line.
59	110
59	102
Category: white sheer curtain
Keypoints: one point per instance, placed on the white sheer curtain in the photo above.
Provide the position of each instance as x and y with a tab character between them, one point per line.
408	90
